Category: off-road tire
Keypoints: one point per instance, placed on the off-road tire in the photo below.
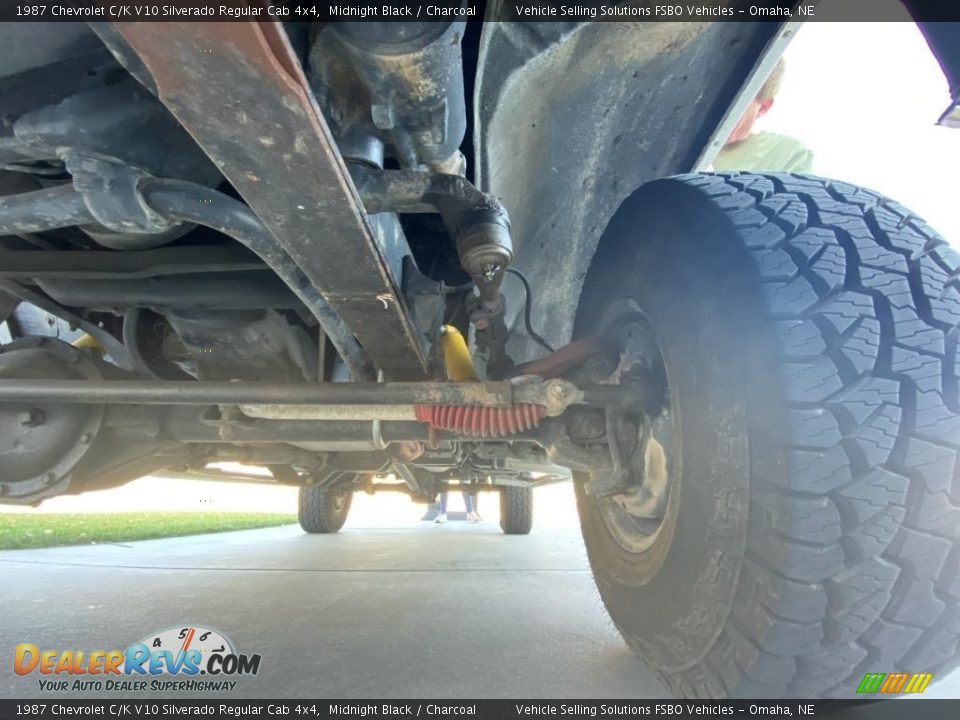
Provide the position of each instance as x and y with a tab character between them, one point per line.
321	510
809	331
516	510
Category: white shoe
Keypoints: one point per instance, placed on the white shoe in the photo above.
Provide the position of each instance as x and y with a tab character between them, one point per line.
474	516
441	519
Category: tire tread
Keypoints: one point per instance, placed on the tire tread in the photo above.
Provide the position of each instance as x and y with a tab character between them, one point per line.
852	554
316	512
516	510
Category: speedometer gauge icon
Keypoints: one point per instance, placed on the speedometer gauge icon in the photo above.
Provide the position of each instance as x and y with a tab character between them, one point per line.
181	639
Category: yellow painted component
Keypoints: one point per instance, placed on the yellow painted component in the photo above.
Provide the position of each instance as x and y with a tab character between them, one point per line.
456	355
88	341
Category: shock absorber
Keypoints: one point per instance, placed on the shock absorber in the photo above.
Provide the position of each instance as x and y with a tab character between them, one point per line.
482	421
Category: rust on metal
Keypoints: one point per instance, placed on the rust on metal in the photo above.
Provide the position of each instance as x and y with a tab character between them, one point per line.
406	451
239	90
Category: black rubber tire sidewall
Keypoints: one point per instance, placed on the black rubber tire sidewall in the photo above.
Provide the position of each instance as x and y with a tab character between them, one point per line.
321	510
845	307
695	286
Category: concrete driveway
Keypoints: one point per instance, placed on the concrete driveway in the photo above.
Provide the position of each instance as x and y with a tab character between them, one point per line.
452	611
415	611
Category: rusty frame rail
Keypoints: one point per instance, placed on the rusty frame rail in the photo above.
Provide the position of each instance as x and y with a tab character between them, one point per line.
239	90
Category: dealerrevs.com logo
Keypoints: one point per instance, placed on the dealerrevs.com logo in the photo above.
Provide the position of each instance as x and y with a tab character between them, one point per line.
172	659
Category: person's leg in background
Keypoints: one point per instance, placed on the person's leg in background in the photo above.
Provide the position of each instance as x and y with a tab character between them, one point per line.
470	503
442	509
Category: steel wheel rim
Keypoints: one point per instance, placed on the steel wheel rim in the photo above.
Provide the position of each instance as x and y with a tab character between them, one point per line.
636	519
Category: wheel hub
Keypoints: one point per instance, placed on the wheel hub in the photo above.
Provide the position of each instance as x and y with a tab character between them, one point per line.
642	441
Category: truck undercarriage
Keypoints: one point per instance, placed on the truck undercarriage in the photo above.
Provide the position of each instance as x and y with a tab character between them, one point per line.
352	253
361	243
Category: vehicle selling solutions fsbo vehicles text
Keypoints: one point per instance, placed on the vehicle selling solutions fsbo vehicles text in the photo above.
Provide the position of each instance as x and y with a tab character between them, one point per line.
583	11
676	12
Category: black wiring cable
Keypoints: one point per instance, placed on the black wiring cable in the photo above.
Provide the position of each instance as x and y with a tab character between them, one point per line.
528	310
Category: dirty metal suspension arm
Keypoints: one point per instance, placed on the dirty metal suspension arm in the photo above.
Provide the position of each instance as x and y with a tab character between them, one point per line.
556	395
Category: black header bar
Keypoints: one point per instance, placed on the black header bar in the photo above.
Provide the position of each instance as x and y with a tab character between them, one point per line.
497	10
161	709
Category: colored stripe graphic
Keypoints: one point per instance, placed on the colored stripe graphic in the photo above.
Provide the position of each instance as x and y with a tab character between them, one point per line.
893	683
918	682
871	682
